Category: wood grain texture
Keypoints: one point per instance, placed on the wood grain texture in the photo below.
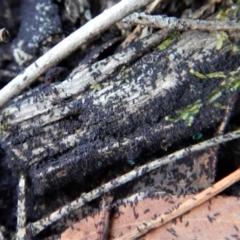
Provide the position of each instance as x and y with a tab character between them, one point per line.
115	109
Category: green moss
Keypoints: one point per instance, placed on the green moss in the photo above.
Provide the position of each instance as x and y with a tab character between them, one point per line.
166	43
216	75
236	85
222	15
216	93
187	114
3	127
96	86
5	113
3	124
221	38
197	74
231	83
122	69
214	96
207	76
127	80
217	105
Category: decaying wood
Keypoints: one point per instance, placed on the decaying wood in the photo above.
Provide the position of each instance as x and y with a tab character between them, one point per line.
115	109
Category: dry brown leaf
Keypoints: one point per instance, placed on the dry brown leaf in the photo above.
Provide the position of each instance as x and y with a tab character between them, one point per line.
218	219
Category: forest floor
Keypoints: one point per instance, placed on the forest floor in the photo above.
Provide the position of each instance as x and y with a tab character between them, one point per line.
34	27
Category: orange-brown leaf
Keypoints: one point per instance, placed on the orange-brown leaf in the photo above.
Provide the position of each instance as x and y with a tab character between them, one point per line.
218	219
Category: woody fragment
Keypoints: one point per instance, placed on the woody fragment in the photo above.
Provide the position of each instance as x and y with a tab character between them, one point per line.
117	108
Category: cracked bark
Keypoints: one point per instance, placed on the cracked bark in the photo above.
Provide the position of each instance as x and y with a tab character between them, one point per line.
141	99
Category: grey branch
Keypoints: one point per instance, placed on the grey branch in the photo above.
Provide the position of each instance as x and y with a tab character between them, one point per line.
63	49
181	24
21	209
35	228
116	108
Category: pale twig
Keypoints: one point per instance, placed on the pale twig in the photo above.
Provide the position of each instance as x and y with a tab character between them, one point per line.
227	115
21	211
1	236
181	24
35	228
184	207
63	49
224	122
103	224
4	35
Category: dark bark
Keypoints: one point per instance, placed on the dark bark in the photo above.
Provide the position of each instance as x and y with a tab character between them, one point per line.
115	109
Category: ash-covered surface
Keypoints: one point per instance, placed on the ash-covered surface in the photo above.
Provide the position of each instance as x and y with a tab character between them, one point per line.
32	35
120	118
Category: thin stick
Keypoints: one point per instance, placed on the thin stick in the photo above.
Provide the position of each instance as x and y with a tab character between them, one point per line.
36	227
63	49
1	235
181	24
103	224
227	115
185	206
21	211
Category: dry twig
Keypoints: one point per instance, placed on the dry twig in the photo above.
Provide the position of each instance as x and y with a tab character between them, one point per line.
181	24
21	212
227	115
103	225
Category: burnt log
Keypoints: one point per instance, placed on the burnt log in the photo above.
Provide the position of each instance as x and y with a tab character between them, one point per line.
158	91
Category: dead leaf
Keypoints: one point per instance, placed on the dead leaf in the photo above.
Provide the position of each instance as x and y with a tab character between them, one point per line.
218	218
